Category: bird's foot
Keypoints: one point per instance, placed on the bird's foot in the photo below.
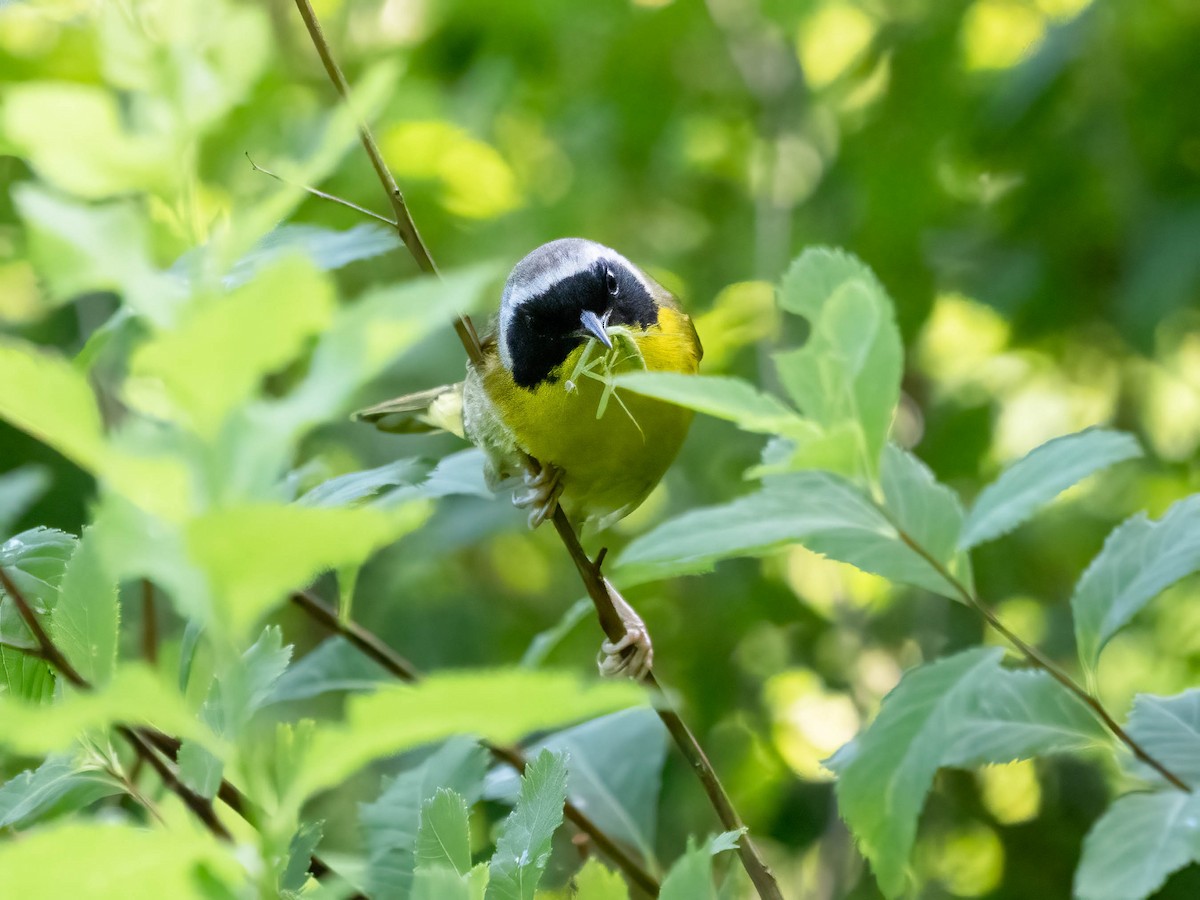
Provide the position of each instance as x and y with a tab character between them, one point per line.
541	498
633	654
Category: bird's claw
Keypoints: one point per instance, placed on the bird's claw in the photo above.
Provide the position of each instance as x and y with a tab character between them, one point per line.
633	654
544	489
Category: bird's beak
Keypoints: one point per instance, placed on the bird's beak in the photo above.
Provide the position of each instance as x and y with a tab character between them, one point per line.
594	326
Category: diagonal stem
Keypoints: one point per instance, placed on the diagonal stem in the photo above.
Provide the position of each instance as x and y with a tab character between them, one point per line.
1039	659
756	867
370	645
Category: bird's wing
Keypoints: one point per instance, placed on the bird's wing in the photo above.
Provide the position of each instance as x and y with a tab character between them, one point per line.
435	409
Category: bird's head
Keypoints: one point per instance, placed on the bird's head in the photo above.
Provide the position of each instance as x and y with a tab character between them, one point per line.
562	294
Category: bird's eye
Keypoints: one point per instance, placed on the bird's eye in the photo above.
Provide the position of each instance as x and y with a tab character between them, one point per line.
610	282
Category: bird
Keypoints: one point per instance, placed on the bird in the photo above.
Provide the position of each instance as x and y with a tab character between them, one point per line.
573	315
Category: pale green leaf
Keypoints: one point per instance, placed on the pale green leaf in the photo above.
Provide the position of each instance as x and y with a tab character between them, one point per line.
85	623
850	367
444	836
723	397
500	705
57	784
1140	559
1169	729
345	489
335	665
300	850
524	846
691	877
925	510
964	710
595	881
135	695
615	772
255	554
439	884
1137	843
110	861
35	561
822	511
1039	477
20	488
258	328
325	248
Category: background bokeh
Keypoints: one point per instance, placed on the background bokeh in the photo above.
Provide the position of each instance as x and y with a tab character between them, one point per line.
1023	175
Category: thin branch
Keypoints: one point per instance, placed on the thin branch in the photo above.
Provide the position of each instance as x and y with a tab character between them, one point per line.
1039	659
610	621
371	645
333	198
46	647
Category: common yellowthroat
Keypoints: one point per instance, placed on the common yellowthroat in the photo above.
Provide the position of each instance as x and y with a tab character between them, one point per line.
573	314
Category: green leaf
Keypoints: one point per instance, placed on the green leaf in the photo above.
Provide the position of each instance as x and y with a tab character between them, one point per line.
1137	843
731	399
822	511
1169	729
20	488
259	328
444	836
1140	559
345	489
35	561
391	823
524	846
964	710
335	665
255	554
691	877
154	863
1039	477
615	772
57	784
595	881
86	620
325	248
134	695
300	850
849	369
500	705
924	509
440	884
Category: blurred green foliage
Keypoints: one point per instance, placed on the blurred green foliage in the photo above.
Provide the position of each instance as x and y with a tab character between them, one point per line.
1022	175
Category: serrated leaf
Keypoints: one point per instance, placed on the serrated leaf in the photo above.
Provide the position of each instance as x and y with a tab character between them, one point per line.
56	784
501	705
822	511
1140	559
615	773
20	488
335	665
345	489
1137	843
258	329
35	561
154	863
850	367
595	881
924	509
1169	729
135	694
255	554
391	823
961	710
524	846
444	836
300	850
720	396
691	877
86	620
1039	477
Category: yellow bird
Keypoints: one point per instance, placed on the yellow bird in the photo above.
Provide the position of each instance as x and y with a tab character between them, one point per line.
573	314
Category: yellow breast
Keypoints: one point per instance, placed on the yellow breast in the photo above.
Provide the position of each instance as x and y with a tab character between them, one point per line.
612	450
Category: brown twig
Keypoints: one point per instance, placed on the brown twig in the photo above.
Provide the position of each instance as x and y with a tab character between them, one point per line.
759	873
332	198
368	643
1039	659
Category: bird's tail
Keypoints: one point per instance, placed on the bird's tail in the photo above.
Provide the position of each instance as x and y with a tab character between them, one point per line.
436	409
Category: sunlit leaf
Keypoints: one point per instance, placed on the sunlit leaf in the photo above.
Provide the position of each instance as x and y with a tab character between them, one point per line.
1039	477
111	861
444	838
86	620
1137	843
1169	729
501	705
524	846
1140	559
849	369
721	396
595	881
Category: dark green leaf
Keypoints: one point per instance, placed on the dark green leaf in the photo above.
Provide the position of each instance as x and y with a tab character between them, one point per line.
335	665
